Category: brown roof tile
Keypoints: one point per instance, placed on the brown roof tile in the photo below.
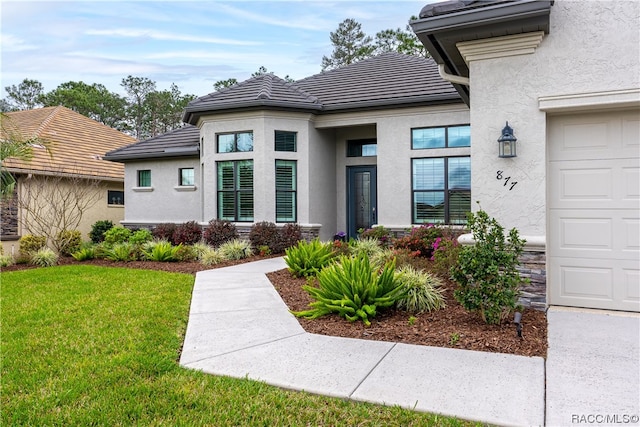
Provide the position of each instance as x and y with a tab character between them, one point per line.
77	143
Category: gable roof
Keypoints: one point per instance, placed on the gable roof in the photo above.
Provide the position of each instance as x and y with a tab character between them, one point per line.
387	80
77	143
184	141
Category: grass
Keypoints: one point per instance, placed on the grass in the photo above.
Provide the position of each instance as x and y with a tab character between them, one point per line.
87	345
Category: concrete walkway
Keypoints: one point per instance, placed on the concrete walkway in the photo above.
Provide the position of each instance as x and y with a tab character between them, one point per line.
239	327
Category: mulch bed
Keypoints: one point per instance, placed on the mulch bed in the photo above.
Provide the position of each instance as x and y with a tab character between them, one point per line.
451	327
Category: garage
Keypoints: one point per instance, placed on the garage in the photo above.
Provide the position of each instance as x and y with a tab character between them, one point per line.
593	194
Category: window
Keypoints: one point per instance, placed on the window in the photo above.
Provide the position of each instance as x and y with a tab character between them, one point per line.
362	148
441	190
235	190
234	142
285	141
187	177
115	197
285	191
144	178
441	137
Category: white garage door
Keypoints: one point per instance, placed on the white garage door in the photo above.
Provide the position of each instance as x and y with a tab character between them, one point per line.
594	210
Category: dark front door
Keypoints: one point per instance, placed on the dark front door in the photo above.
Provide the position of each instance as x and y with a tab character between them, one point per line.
361	198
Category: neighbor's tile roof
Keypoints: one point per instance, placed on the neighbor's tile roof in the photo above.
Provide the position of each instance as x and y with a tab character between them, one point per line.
184	141
387	80
77	143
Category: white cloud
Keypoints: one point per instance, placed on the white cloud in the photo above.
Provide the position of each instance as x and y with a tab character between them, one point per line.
10	43
167	36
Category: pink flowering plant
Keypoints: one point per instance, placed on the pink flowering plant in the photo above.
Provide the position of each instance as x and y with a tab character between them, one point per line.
419	240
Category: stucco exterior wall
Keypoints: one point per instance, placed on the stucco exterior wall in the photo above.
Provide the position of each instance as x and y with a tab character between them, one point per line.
591	47
165	201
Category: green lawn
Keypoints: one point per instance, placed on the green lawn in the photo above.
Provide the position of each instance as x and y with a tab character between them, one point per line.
86	345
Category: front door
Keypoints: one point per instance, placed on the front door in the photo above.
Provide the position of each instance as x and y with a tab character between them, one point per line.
361	198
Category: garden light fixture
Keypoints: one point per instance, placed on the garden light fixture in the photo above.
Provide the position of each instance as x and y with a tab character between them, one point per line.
507	142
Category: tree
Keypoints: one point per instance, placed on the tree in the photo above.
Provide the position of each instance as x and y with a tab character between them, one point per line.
26	96
223	84
93	101
138	88
350	44
164	110
53	204
401	41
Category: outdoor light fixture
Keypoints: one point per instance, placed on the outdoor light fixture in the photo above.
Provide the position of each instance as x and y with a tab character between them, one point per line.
507	142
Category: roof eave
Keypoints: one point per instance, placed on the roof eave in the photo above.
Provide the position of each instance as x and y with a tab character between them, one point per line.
192	114
123	158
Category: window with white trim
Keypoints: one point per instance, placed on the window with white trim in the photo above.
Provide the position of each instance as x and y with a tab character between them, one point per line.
144	178
186	177
234	142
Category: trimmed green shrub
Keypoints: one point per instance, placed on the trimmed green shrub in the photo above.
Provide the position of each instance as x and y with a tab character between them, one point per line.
119	252
164	231
84	254
30	244
290	235
353	289
308	258
117	235
162	251
486	272
68	242
219	231
235	249
141	236
423	291
44	257
98	229
265	234
187	233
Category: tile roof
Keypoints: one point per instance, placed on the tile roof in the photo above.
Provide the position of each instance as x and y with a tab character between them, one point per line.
184	141
387	80
77	143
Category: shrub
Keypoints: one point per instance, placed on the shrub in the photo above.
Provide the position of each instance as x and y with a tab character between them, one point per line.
117	235
382	234
84	254
353	289
44	257
30	244
308	258
211	257
186	253
164	231
187	233
235	249
290	235
141	236
367	246
423	291
265	234
199	249
219	231
68	241
445	256
120	252
162	251
6	260
486	272
98	229
420	240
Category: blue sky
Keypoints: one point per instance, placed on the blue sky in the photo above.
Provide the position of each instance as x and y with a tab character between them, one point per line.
190	43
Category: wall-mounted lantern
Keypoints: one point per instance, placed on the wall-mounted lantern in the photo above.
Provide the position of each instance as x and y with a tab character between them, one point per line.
507	142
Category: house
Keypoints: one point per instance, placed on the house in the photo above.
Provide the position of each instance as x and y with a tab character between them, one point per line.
566	77
73	164
398	141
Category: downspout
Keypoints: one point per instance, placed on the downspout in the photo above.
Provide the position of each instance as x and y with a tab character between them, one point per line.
452	77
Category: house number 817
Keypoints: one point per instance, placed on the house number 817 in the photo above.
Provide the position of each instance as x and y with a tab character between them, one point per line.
511	184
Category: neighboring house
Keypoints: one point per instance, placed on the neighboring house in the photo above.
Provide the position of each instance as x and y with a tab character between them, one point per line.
76	146
566	76
390	141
